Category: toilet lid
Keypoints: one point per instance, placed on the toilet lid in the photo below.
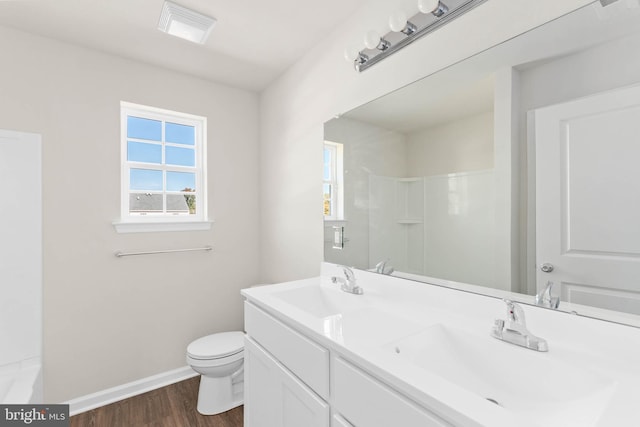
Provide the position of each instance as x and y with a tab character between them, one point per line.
216	346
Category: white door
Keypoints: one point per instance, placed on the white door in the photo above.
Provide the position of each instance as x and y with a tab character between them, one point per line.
588	199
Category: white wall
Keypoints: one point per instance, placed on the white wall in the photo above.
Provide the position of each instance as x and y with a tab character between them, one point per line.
322	84
108	321
604	67
460	146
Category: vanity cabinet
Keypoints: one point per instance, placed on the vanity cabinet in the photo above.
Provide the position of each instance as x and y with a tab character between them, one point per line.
287	383
286	375
276	397
302	356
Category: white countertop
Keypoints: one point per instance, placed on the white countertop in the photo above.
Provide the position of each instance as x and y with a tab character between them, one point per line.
589	377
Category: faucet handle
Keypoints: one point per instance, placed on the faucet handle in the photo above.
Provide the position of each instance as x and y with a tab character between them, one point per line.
336	280
349	285
515	314
545	299
514	330
348	273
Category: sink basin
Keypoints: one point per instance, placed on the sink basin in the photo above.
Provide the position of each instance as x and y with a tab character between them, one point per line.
537	386
347	318
320	302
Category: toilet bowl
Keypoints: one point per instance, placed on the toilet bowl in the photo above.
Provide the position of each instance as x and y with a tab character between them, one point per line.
219	359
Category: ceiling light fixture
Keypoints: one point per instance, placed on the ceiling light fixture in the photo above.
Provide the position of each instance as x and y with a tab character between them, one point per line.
185	23
431	14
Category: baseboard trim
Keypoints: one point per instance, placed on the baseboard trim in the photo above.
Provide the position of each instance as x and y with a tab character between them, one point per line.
124	391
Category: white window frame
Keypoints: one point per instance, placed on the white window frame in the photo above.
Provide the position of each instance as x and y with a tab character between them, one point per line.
336	181
163	221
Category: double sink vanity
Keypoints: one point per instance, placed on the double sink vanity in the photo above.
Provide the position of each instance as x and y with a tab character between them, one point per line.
410	354
498	182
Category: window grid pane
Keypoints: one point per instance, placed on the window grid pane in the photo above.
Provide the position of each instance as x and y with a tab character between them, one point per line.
328	164
328	205
180	156
141	128
144	203
181	203
170	187
145	179
180	181
180	134
143	152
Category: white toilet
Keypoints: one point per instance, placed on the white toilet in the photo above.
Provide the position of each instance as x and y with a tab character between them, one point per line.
219	358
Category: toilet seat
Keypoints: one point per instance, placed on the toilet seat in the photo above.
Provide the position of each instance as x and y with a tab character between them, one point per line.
224	345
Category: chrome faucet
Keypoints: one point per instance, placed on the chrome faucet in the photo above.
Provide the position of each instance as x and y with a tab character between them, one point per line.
349	285
544	298
382	268
514	329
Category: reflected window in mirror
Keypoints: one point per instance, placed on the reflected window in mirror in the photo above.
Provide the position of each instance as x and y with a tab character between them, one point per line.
332	184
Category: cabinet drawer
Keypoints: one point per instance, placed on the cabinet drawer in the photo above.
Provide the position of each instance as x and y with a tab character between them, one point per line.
366	402
306	359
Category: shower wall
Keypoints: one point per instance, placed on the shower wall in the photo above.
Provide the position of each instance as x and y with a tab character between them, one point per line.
20	247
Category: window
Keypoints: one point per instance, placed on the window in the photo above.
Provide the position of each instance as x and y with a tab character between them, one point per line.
333	181
163	167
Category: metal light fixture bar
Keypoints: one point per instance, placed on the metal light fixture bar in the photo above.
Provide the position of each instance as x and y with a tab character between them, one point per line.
369	57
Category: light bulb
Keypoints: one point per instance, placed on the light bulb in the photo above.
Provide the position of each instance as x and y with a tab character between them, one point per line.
372	39
397	21
351	53
428	6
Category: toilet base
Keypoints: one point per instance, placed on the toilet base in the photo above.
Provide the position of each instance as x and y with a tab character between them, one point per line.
218	394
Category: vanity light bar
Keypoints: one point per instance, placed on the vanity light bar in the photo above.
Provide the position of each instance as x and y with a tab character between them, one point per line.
419	25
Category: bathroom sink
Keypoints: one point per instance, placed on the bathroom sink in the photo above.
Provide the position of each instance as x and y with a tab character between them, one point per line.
534	385
320	302
347	318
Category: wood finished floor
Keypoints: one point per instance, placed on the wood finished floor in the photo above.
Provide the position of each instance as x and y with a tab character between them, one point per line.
170	406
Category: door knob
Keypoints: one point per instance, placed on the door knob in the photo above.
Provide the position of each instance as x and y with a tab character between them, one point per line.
546	267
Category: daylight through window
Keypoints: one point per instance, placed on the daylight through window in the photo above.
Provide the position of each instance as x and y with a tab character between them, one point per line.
332	186
163	169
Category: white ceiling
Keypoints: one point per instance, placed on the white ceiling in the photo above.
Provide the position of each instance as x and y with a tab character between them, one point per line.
252	43
426	104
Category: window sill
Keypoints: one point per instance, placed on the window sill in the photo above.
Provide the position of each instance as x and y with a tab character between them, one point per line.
150	227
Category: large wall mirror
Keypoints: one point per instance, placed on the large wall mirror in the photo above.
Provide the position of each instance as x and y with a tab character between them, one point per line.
513	169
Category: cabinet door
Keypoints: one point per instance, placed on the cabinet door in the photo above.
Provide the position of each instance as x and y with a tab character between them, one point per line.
260	401
275	397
